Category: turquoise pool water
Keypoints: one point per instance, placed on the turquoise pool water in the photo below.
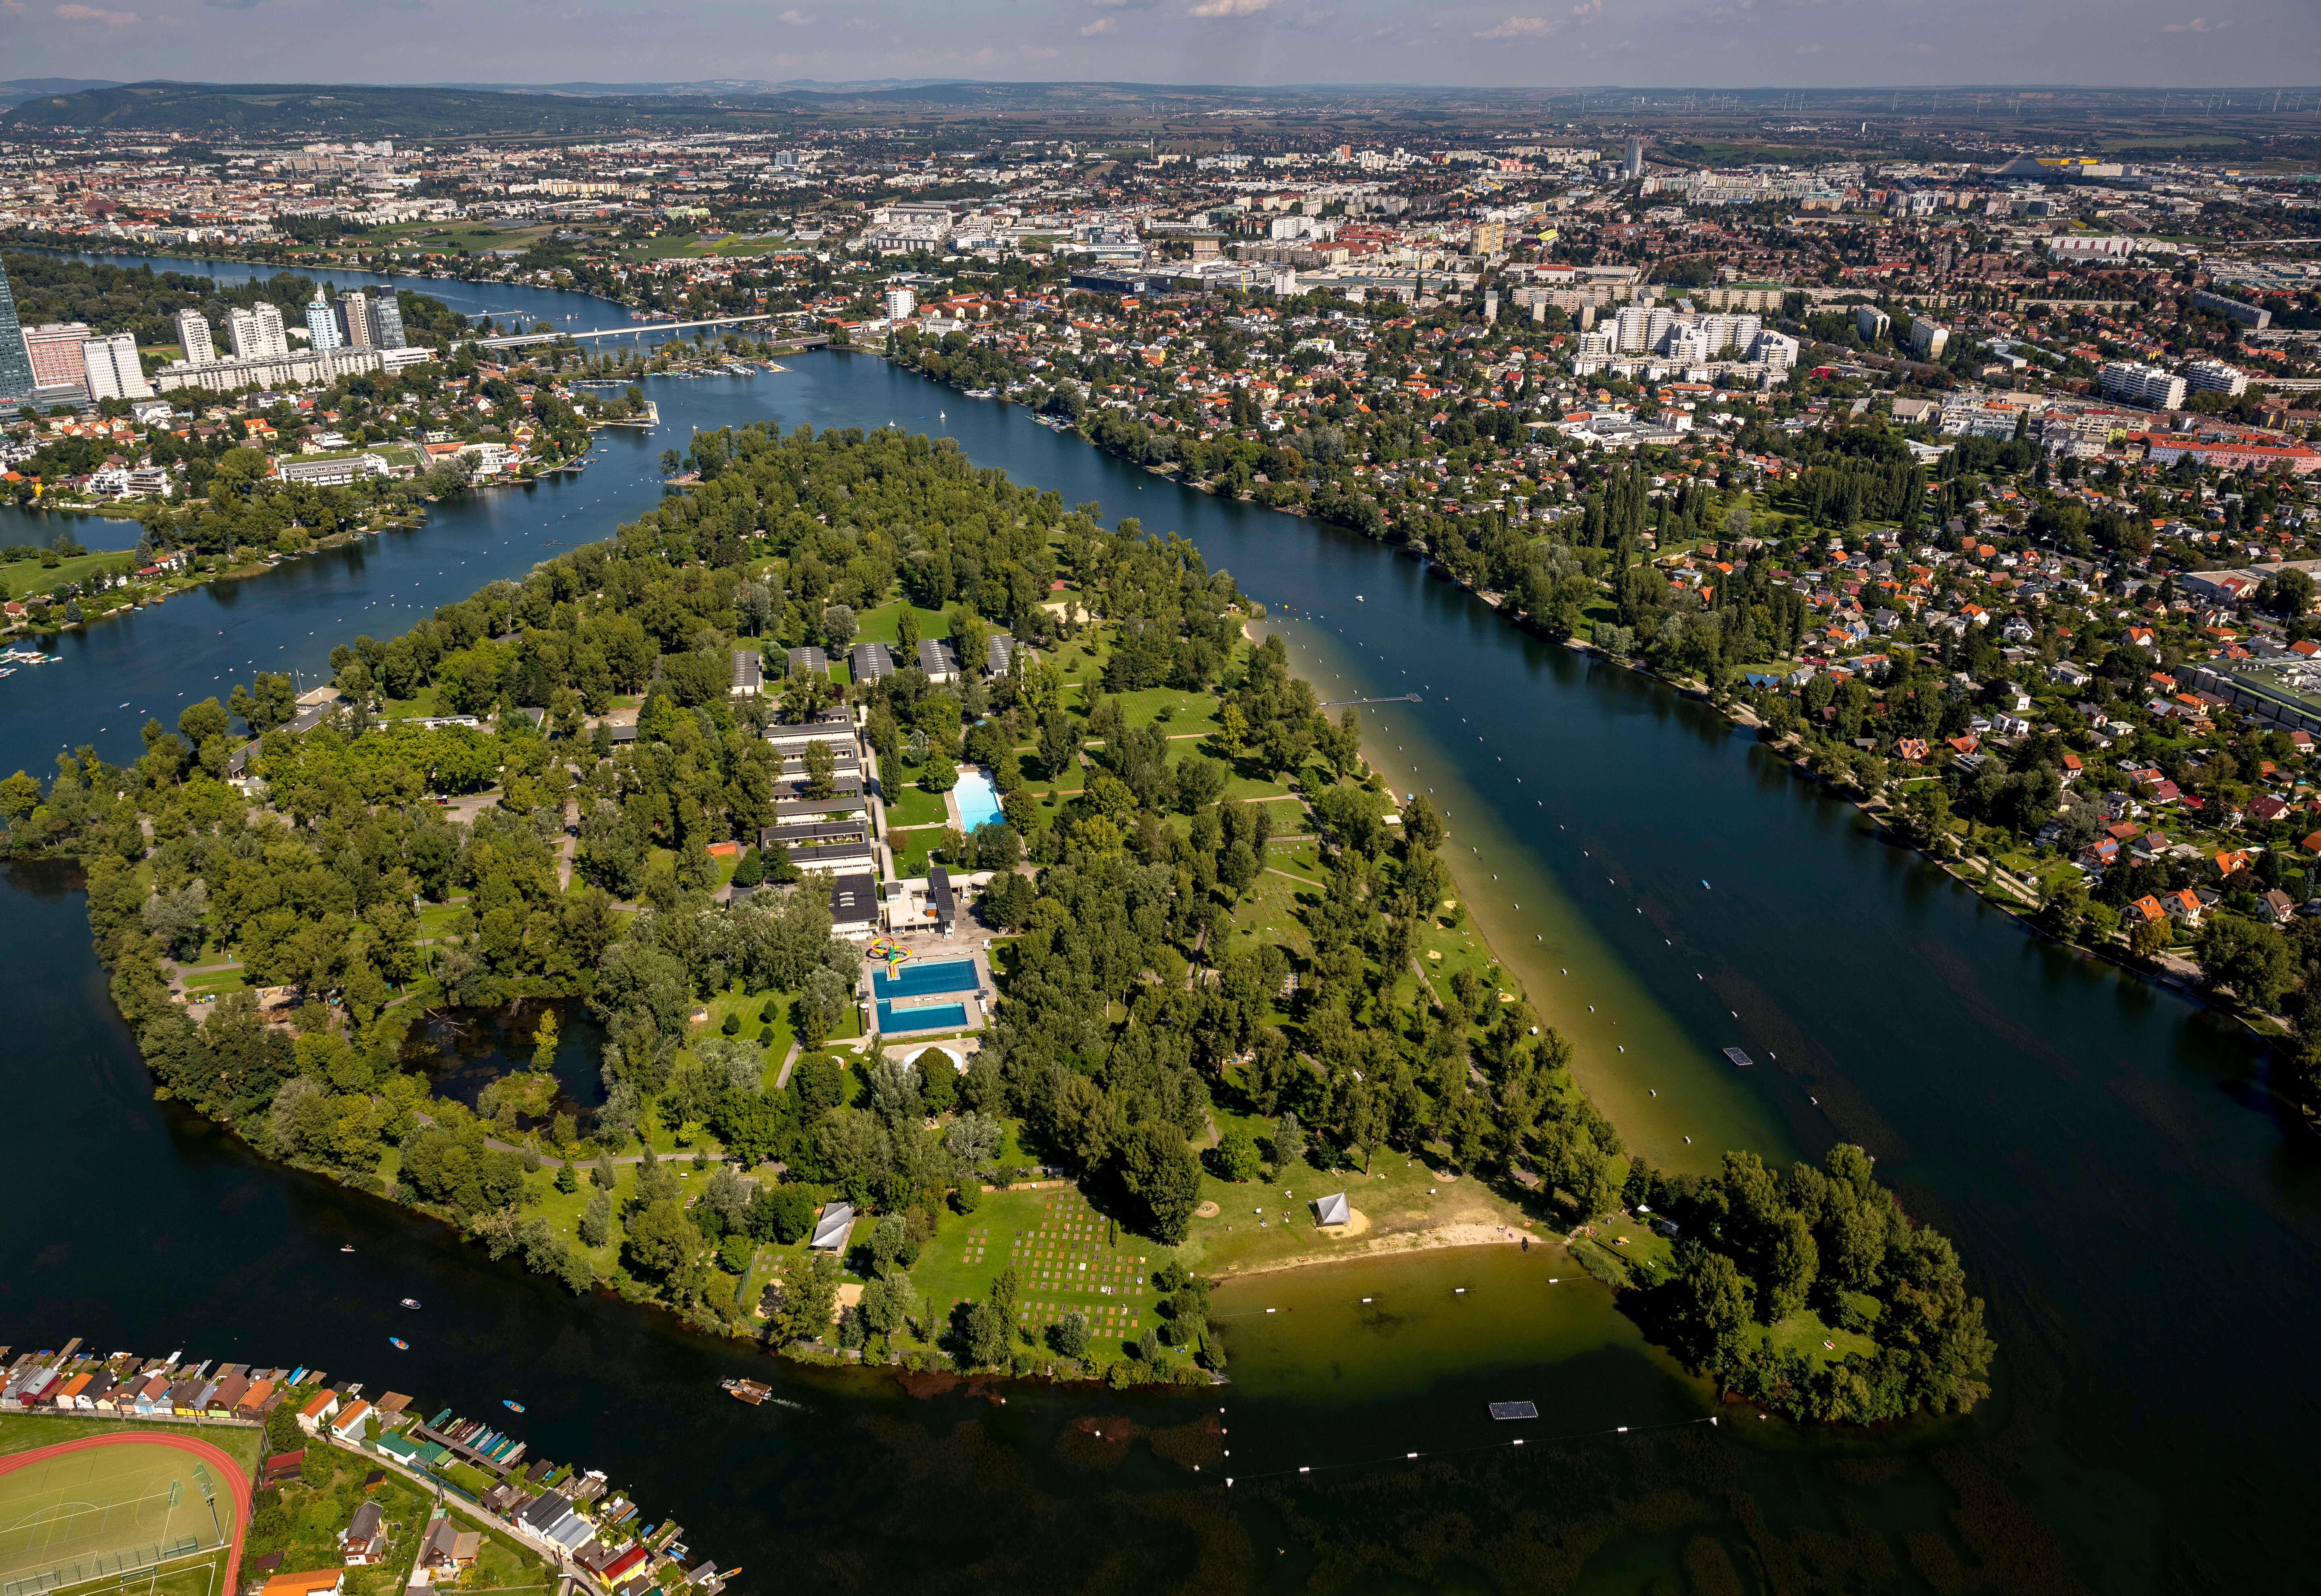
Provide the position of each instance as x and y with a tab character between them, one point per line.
924	980
979	802
934	1017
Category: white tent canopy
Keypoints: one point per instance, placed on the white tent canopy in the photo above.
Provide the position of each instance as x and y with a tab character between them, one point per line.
831	1229
1333	1210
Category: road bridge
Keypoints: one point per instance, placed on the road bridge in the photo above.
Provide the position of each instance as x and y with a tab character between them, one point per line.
511	340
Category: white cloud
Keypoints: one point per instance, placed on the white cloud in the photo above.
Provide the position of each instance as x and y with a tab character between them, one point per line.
1216	8
796	18
1522	27
2199	24
90	14
1103	24
1041	51
1809	49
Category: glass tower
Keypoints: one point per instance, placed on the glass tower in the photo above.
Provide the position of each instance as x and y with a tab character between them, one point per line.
17	383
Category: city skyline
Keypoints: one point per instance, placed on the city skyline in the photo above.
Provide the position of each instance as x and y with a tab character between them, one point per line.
1706	44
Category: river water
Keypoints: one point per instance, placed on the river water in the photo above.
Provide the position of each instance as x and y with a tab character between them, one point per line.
2141	1218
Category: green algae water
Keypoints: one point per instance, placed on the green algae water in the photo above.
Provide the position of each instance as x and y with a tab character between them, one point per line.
2143	1219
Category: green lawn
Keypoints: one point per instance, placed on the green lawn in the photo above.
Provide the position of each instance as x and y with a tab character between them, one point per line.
210	983
1065	1258
1177	710
910	805
29	577
885	625
196	1578
22	1432
1803	1331
915	850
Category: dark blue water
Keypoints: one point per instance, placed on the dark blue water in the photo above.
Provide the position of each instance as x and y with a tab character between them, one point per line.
2109	1158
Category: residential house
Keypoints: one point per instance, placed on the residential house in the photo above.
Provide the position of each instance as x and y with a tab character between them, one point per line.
318	1581
448	1547
317	1411
364	1539
348	1426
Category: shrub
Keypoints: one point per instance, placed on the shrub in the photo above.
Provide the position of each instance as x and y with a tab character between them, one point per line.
732	1026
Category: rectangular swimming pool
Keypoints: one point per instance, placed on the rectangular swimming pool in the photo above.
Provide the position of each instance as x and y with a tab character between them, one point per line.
921	980
934	1017
978	802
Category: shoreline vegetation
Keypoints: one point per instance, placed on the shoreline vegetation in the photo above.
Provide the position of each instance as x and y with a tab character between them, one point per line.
1226	966
1559	610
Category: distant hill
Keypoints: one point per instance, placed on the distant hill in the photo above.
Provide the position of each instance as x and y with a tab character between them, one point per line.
358	111
373	111
16	89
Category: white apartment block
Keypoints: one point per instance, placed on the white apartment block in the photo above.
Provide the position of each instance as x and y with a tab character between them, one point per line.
2213	377
322	324
113	368
2134	382
256	334
194	338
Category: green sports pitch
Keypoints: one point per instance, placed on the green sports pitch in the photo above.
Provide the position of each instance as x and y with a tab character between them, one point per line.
106	1510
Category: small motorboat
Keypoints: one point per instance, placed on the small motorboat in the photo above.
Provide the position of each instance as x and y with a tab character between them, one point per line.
346	1250
1360	599
752	1391
513	1406
398	1343
411	1302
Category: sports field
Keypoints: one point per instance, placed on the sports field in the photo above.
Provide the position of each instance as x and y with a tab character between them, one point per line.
70	1516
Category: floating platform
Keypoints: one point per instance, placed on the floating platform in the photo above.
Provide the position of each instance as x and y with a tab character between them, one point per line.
1515	1410
1738	1057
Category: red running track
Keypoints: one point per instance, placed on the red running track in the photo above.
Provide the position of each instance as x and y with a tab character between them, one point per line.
236	1482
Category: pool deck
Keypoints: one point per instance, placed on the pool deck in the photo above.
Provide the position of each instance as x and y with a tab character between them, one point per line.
965	946
951	811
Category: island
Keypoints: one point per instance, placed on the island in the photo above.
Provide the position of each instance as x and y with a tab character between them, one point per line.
980	923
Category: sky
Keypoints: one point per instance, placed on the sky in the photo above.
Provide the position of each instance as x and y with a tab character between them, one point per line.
1687	44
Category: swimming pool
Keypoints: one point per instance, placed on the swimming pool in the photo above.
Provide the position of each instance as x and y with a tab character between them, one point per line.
978	802
918	980
934	1017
